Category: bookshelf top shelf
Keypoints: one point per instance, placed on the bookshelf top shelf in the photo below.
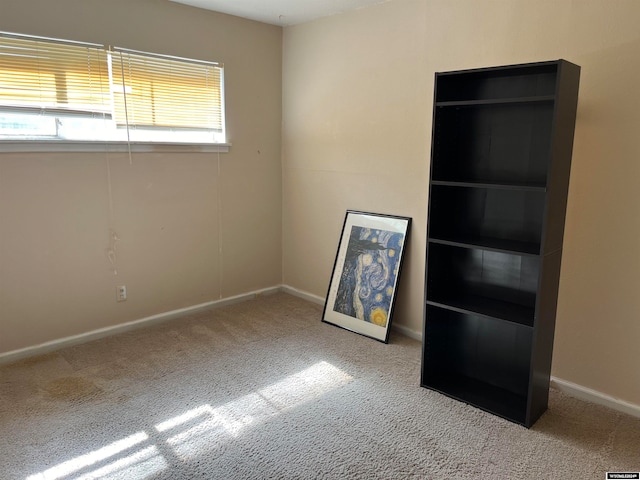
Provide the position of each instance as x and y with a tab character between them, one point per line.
521	186
495	101
520	83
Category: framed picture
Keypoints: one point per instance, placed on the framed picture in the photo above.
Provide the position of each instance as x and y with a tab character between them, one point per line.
363	285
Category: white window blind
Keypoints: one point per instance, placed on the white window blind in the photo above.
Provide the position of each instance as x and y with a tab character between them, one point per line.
154	91
55	89
53	77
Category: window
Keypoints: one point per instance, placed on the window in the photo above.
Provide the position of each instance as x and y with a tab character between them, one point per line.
60	90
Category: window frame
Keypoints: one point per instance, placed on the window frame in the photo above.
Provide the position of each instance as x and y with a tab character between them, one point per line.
150	137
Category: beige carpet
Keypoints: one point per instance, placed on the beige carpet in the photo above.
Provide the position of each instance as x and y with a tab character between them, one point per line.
263	389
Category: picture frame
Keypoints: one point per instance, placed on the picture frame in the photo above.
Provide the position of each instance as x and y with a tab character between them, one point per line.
363	285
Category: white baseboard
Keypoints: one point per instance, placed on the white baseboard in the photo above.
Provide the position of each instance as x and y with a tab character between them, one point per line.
572	389
54	345
407	332
302	294
593	396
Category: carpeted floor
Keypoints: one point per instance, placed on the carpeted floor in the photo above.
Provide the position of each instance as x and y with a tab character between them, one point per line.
263	389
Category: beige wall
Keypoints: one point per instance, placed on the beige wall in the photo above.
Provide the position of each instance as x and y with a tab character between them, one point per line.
356	135
172	212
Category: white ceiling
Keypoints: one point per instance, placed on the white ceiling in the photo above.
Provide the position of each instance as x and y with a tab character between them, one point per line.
281	12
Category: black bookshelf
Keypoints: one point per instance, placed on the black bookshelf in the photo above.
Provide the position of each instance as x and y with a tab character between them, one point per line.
500	161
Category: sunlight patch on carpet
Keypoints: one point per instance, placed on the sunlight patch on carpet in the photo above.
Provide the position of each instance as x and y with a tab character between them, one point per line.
198	430
202	428
90	459
139	465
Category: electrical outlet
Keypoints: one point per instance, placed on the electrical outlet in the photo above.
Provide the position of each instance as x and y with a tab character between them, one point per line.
121	293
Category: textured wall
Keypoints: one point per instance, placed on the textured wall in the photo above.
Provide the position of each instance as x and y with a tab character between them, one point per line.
357	108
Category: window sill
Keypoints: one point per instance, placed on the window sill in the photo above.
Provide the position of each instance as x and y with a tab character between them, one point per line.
12	146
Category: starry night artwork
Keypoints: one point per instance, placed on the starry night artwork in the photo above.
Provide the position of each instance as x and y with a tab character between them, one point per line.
370	269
